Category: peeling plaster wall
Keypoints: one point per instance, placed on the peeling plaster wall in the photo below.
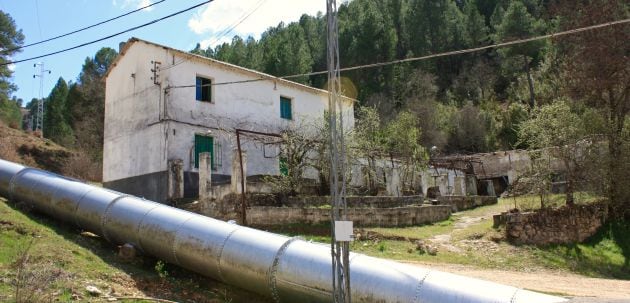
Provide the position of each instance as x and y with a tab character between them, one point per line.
146	125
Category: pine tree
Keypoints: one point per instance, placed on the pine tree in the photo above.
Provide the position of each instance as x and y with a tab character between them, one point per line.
56	125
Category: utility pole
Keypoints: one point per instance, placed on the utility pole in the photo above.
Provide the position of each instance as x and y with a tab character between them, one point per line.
341	229
39	119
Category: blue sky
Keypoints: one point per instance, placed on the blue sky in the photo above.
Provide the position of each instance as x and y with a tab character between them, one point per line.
41	19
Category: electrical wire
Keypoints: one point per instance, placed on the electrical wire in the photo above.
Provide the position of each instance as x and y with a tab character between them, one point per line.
444	54
110	36
76	31
228	30
225	31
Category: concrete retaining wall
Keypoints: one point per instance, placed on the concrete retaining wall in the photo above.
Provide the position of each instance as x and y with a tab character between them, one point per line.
555	226
362	217
356	201
459	203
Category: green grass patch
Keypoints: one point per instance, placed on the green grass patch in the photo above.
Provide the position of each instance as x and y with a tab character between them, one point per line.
76	259
606	254
416	232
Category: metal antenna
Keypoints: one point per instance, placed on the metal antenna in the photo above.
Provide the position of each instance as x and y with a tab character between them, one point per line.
39	119
339	247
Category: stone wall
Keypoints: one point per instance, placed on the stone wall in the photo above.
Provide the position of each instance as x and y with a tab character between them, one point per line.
355	201
459	203
555	226
362	217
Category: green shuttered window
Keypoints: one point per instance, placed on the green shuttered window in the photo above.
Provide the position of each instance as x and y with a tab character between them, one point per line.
285	108
204	144
284	166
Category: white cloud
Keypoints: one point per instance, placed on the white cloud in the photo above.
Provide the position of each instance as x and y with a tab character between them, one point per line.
12	67
221	14
133	3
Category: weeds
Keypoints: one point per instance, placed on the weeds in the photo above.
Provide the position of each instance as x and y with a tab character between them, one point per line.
33	279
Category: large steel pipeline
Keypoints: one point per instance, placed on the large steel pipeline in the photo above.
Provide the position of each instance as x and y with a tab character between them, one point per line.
285	269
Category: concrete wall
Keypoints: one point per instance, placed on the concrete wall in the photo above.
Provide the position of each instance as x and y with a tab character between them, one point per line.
450	181
362	217
132	147
555	226
147	124
459	203
153	186
356	201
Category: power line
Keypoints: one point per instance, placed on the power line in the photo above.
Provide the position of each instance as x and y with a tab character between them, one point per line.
78	30
39	26
228	30
225	31
110	36
444	54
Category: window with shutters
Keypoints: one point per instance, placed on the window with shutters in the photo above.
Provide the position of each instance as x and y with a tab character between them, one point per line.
284	166
286	112
204	144
203	89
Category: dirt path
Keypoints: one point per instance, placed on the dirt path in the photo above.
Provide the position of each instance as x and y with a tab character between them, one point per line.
444	241
561	283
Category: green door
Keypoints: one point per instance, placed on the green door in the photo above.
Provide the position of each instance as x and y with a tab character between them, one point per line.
204	144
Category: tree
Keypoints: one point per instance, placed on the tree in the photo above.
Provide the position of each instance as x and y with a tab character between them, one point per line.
517	23
10	112
469	132
10	40
86	103
597	73
370	144
555	130
56	125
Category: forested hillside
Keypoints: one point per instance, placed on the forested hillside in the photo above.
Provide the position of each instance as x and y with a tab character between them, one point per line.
464	103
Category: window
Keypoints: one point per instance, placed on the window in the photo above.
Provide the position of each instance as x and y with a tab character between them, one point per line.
203	89
285	108
284	166
204	144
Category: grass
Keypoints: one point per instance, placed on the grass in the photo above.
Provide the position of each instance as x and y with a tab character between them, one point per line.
606	254
79	260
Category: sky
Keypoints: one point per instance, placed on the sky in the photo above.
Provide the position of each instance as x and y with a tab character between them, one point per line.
42	19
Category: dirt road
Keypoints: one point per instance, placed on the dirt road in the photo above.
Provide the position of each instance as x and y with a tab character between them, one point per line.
560	283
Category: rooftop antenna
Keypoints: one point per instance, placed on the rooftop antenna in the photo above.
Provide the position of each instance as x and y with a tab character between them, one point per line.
39	118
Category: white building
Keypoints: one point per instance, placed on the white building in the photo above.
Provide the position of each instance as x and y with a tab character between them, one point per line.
163	104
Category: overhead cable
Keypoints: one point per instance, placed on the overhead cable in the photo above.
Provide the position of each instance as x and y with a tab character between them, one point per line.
225	31
109	36
78	30
431	56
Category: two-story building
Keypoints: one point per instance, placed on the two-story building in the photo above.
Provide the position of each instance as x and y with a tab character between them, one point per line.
163	104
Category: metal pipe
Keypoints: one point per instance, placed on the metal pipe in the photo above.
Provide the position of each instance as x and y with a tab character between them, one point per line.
285	269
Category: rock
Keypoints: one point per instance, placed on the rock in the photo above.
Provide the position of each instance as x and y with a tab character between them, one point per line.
432	250
93	290
127	252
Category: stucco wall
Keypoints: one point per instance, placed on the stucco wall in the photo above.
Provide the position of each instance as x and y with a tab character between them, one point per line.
146	124
132	101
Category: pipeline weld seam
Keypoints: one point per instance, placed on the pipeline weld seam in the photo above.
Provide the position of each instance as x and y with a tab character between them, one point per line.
419	287
271	273
513	299
53	202
14	179
106	214
138	240
221	253
76	209
175	240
